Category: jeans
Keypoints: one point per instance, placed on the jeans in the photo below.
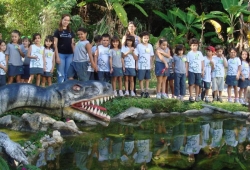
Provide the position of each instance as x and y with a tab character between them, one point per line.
63	67
179	84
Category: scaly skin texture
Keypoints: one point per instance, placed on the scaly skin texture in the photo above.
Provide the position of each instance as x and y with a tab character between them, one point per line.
72	99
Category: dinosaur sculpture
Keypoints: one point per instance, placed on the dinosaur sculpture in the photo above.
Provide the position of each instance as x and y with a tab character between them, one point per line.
72	99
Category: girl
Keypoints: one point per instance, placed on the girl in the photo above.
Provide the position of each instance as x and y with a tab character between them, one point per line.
116	64
170	79
128	54
161	67
233	75
179	67
243	81
37	61
49	56
3	67
14	56
26	63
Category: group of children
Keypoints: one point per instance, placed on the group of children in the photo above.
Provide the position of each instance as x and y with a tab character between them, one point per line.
26	60
111	61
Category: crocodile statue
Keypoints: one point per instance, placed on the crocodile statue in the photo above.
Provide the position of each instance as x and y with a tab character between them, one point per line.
72	99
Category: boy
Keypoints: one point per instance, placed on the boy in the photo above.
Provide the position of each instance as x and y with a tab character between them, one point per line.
82	56
209	66
3	67
102	59
220	63
145	54
195	68
93	75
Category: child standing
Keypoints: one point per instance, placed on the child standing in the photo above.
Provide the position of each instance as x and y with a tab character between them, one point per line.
209	66
26	63
3	67
170	79
233	75
49	56
116	64
195	69
37	60
244	78
145	54
102	59
179	67
82	56
161	67
128	53
14	56
93	75
220	63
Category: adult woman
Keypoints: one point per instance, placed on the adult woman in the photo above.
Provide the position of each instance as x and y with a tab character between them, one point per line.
64	45
131	31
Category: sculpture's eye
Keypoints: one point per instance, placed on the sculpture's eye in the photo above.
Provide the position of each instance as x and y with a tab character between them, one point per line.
77	87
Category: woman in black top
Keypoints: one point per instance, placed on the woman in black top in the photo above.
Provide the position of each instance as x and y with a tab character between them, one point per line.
64	46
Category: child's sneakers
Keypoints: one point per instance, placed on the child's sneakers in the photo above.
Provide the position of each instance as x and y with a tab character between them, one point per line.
120	93
236	100
158	95
230	100
242	101
206	99
142	94
115	93
126	93
146	95
191	99
220	99
181	98
164	96
132	93
197	99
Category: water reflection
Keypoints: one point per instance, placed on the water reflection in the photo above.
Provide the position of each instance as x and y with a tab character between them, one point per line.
171	143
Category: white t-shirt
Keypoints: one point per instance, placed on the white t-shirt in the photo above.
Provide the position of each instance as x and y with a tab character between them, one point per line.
219	69
49	53
233	64
103	59
245	69
207	70
195	60
129	60
37	51
144	54
2	62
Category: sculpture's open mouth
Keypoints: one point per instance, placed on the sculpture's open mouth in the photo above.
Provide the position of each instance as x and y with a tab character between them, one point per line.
92	107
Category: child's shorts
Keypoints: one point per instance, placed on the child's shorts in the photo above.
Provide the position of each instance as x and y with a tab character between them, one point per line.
218	83
143	75
129	72
170	77
47	74
243	84
231	81
206	85
34	71
26	72
194	78
79	69
104	76
15	70
2	80
159	67
117	72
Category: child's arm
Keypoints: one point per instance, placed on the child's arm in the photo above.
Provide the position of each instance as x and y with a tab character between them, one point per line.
96	57
161	57
44	61
202	68
73	44
238	72
53	63
20	51
212	64
151	61
123	64
131	50
89	50
110	64
187	67
225	62
4	68
165	54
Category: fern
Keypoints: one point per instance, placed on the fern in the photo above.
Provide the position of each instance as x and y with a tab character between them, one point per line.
3	164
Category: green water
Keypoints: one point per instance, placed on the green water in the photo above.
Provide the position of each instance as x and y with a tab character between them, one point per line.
169	143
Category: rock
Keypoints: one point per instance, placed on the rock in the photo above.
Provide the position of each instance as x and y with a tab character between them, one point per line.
216	108
175	113
192	112
206	110
162	114
66	129
241	113
148	114
57	136
11	121
132	112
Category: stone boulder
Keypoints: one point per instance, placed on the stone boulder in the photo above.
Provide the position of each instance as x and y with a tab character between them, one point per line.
130	113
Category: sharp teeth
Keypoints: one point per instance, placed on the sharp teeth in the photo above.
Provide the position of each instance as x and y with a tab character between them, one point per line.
88	102
98	112
85	107
82	103
101	100
105	99
95	111
108	117
88	108
97	101
92	109
108	98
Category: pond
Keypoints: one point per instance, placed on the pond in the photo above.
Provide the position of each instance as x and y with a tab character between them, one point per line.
167	143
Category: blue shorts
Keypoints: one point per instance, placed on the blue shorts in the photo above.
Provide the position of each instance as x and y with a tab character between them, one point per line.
104	76
243	84
144	75
117	72
47	74
159	67
194	78
79	69
2	80
171	76
15	70
231	81
129	72
26	72
206	85
35	71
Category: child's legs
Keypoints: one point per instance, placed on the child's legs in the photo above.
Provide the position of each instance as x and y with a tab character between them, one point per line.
171	84
197	90
147	83
177	84
10	79
240	92
245	92
141	84
114	82
198	83
159	84
31	79
18	78
120	82
126	82
182	84
147	78
38	79
49	81
81	69
43	81
235	92
131	80
191	81
164	79
229	91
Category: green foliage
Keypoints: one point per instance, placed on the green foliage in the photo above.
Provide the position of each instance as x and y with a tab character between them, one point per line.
3	164
28	167
230	107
